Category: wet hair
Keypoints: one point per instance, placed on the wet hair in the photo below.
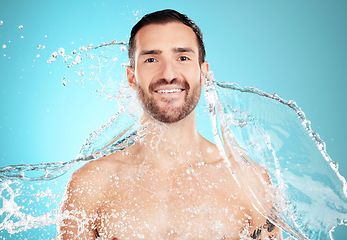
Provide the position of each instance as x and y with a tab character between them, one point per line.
162	17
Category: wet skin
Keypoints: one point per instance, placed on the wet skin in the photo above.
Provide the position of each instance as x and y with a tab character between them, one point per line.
172	183
128	198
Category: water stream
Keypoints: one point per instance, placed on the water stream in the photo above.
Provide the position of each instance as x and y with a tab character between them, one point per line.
308	195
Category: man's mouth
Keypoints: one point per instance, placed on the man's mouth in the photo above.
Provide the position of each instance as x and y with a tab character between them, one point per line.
174	90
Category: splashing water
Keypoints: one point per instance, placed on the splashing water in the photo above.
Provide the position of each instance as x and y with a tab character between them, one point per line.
308	195
275	133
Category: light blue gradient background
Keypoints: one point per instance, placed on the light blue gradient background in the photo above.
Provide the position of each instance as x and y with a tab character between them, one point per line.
297	49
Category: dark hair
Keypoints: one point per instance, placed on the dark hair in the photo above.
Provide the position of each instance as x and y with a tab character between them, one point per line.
162	17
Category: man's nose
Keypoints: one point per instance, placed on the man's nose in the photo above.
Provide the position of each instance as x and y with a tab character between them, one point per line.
168	71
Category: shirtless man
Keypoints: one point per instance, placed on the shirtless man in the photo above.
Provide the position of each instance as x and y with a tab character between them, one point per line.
170	184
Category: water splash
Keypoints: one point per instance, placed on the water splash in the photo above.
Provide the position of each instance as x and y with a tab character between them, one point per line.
256	128
276	134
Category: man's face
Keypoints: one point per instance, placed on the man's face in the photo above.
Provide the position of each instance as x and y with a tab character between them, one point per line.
167	73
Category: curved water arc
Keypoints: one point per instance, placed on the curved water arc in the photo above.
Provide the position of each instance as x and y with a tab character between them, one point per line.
298	222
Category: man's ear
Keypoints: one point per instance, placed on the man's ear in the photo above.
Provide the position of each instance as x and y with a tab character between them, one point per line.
205	68
131	77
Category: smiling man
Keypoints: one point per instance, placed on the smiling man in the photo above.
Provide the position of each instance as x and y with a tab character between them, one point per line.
171	183
166	70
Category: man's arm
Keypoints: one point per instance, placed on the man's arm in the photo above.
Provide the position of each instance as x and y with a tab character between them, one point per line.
264	228
78	209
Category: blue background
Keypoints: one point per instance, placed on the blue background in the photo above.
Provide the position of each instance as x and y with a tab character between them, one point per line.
297	49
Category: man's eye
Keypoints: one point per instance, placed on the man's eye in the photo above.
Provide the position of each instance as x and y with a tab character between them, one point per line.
183	58
150	60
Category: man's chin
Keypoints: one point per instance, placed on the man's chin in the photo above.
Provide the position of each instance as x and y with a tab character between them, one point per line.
169	117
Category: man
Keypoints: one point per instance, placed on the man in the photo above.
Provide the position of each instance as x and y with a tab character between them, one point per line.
170	184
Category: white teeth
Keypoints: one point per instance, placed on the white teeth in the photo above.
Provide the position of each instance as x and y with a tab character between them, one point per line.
170	90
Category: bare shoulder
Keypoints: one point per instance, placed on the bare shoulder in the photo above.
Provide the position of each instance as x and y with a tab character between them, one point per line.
96	172
97	168
88	183
84	195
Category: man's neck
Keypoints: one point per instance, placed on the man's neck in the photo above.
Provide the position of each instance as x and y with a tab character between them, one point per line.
164	144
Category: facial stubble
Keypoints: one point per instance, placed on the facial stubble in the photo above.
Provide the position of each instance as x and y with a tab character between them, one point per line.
170	114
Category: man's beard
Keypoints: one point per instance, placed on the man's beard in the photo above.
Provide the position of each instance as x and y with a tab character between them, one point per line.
169	114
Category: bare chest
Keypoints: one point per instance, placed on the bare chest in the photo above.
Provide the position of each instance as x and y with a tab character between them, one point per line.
192	205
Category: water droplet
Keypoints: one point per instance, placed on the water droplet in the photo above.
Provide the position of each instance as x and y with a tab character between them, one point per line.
74	52
72	42
61	51
123	48
190	170
4	46
63	81
21	37
51	59
1	22
54	54
43	47
38	46
78	59
200	164
20	26
38	55
83	48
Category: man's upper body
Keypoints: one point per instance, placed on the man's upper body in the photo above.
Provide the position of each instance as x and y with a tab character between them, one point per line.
172	183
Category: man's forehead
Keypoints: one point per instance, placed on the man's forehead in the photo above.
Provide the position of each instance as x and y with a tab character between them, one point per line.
173	35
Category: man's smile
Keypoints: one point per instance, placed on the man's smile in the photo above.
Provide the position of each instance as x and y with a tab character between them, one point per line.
169	89
173	90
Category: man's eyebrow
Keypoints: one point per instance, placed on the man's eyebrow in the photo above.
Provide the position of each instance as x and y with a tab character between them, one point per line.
149	52
175	50
182	50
